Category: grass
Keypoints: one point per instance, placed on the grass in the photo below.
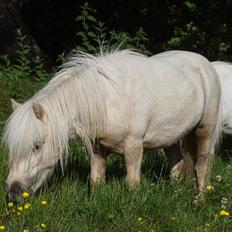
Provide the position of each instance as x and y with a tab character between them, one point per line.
159	205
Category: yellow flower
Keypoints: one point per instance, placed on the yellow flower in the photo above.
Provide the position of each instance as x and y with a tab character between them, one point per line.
25	230
20	208
139	219
25	194
27	206
210	188
18	213
2	227
43	225
153	230
44	202
224	213
10	204
173	218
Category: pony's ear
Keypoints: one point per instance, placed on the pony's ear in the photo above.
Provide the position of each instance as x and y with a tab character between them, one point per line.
15	105
38	110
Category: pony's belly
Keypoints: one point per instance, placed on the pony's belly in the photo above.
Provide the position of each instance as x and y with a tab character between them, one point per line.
161	140
166	133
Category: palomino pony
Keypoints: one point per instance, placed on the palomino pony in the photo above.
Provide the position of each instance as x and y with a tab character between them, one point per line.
119	102
224	71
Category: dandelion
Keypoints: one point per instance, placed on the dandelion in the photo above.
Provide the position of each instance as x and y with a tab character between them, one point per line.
210	188
2	227
27	206
153	230
224	213
10	204
218	178
20	208
139	219
25	230
43	225
25	194
44	202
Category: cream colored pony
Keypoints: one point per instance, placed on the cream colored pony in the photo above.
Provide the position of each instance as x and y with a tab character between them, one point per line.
119	102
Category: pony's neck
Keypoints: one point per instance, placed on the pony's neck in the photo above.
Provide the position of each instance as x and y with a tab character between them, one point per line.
76	107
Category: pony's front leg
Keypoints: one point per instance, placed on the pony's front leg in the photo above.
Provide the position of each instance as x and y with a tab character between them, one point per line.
133	152
98	167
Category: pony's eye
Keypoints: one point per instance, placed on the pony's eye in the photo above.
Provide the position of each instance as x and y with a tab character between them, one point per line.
37	146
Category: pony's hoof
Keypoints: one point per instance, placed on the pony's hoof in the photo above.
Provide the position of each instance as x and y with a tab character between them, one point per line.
199	199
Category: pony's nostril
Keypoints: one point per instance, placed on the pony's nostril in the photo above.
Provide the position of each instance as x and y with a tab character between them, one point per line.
15	192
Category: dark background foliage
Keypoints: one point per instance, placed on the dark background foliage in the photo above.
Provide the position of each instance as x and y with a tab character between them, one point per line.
201	26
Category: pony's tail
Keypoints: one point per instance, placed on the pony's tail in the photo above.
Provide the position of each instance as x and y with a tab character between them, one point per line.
217	136
218	129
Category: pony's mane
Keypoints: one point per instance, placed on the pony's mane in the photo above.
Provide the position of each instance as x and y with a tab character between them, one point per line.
78	85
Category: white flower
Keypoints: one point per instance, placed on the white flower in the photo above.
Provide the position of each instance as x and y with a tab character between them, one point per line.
223	206
224	200
218	178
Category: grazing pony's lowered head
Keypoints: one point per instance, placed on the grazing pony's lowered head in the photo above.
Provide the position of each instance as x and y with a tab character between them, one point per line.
27	138
73	103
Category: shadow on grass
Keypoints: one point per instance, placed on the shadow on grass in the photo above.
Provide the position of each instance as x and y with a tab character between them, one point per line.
154	167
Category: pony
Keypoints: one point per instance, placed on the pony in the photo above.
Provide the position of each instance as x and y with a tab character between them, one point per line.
120	102
224	71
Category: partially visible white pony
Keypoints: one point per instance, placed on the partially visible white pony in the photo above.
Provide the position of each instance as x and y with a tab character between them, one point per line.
120	102
224	71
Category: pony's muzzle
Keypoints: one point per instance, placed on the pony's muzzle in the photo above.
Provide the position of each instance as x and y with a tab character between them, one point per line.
14	192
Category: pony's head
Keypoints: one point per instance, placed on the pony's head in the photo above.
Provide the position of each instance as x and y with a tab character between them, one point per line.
31	156
73	102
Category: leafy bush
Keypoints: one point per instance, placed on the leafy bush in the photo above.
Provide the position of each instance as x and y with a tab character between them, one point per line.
20	79
190	30
94	35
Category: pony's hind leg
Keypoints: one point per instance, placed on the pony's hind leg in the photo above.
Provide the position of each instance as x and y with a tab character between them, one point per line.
133	152
190	156
175	160
204	155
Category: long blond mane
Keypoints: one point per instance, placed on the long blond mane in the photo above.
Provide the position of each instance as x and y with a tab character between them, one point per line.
76	94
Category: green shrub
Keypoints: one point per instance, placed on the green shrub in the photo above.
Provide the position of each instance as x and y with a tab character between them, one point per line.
94	35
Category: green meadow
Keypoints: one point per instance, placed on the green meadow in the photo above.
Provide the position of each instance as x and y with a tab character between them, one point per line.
67	204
